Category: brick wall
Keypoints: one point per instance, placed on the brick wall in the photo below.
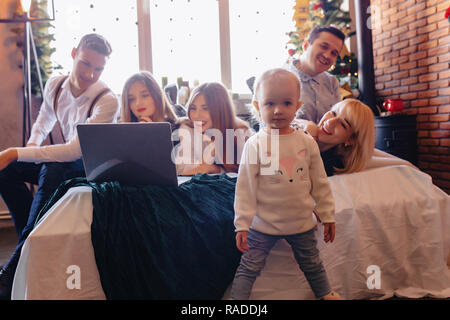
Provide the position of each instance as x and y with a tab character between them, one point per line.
411	41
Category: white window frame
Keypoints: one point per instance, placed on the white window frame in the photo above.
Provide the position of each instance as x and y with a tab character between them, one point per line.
145	39
225	51
144	35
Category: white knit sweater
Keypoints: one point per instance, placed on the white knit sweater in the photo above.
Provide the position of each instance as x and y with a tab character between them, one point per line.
278	187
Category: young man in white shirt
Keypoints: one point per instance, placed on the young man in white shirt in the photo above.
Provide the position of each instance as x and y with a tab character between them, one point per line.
67	101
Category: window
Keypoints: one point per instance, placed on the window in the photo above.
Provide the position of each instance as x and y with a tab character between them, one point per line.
115	20
185	40
258	37
192	39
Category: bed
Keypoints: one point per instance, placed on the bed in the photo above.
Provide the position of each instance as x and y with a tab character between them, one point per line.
392	238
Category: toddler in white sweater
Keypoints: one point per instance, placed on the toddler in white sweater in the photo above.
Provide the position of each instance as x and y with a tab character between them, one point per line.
281	181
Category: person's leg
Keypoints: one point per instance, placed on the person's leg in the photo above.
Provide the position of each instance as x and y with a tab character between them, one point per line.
75	169
304	246
252	262
15	193
18	198
51	175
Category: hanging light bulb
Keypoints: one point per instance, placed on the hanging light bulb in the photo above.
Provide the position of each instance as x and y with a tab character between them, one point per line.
26	5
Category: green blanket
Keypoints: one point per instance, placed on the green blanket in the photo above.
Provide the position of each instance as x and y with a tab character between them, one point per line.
160	242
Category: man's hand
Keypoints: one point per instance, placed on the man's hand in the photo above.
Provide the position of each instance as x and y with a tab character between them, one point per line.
328	232
308	126
7	156
241	241
312	129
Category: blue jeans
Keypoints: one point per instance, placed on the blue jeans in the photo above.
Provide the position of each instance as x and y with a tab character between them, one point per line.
23	207
260	244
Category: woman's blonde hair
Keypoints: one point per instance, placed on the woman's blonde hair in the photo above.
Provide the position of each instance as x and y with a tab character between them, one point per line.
361	119
163	109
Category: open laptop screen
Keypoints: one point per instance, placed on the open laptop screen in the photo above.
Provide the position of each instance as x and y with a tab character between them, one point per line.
130	153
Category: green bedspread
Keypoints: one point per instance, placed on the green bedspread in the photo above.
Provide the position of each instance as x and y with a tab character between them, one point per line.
163	243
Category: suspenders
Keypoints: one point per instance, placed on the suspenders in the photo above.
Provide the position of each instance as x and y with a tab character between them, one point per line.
55	103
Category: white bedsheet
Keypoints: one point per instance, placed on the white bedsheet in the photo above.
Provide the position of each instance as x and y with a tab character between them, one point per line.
392	217
55	248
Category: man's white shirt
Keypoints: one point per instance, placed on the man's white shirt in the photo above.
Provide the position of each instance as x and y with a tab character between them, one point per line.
71	112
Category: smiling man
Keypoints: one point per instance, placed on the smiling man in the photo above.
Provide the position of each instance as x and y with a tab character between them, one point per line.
319	89
67	102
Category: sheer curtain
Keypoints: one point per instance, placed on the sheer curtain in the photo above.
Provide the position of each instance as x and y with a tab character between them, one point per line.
185	37
185	40
258	37
115	20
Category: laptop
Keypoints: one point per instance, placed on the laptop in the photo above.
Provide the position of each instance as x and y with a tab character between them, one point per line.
130	153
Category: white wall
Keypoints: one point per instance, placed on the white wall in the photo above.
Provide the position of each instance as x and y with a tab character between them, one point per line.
11	80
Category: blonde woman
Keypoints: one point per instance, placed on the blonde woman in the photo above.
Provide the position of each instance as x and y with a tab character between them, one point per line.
345	135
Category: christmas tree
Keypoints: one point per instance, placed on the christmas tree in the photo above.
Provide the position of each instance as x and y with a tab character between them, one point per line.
309	14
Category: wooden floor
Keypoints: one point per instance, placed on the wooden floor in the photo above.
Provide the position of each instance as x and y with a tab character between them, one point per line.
8	240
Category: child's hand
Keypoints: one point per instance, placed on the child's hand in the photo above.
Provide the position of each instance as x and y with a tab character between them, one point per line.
328	232
241	241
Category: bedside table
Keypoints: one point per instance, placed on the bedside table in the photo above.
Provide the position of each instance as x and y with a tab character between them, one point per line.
397	134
